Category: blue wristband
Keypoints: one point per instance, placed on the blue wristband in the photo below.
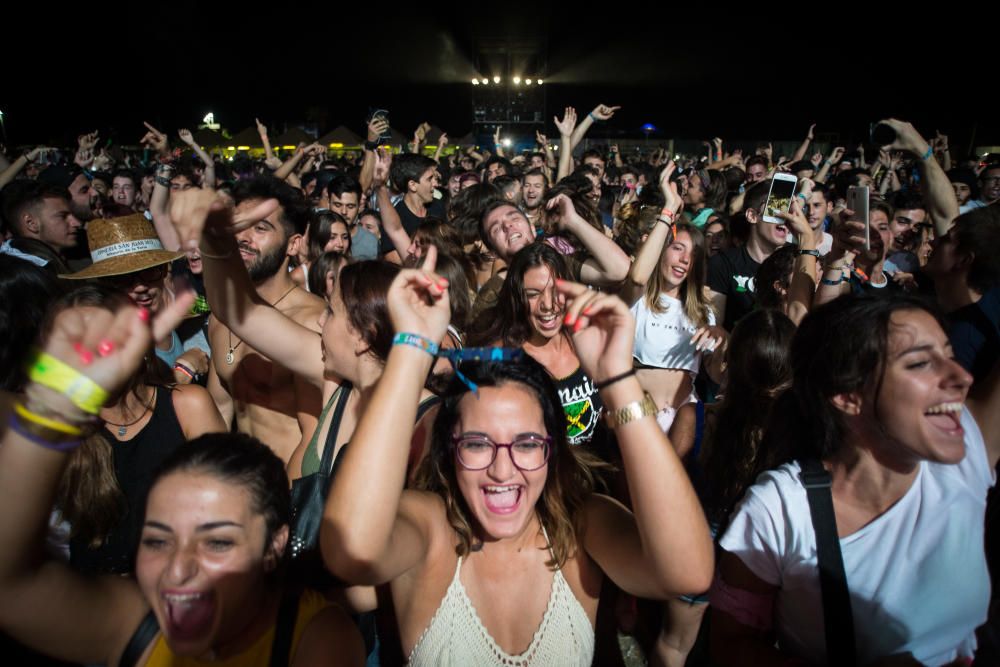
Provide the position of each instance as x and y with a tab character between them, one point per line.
929	153
416	340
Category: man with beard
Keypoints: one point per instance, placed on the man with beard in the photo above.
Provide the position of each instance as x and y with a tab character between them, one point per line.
267	400
532	195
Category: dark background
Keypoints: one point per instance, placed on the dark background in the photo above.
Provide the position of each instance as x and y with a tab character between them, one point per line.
697	70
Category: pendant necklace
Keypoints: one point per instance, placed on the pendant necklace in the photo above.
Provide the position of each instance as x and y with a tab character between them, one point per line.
123	428
232	348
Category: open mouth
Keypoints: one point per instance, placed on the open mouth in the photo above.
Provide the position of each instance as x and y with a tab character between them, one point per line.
516	236
549	322
189	614
502	499
946	417
678	272
781	231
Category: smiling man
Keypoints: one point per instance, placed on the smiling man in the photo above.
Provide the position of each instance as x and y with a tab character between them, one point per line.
266	400
40	220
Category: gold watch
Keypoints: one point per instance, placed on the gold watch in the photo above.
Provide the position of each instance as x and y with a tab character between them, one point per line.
631	412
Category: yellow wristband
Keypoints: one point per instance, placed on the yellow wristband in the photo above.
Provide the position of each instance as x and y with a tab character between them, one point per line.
51	424
50	372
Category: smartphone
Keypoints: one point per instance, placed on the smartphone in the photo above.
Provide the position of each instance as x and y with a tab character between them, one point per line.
882	134
384	115
857	201
779	199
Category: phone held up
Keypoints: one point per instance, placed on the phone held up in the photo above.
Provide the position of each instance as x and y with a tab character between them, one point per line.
779	198
858	198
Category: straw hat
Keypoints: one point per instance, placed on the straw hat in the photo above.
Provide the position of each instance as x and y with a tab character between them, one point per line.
122	245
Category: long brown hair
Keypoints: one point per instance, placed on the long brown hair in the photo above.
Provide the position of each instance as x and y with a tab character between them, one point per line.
570	479
693	296
89	496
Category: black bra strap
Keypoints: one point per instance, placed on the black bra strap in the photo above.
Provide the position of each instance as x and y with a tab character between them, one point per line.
140	640
281	647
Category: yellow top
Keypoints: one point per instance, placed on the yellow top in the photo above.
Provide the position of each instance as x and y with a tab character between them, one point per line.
258	655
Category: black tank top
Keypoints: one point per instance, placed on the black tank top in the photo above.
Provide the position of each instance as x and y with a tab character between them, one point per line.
135	462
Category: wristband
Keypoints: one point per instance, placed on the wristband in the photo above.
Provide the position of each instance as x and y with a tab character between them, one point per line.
25	430
592	116
611	380
861	275
668	214
52	425
416	340
50	372
184	369
929	153
162	181
833	282
372	145
813	253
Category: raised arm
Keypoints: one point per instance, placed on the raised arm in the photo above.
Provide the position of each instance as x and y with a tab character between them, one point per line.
391	223
803	148
442	143
834	158
289	165
156	140
939	196
374	531
803	284
640	552
270	159
601	112
45	604
608	264
550	156
158	208
234	300
565	127
376	126
85	144
15	167
208	181
648	258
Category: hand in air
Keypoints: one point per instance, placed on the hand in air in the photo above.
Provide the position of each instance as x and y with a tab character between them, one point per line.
603	330
418	300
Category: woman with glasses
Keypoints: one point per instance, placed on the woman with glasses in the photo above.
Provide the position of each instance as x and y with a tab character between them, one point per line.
499	554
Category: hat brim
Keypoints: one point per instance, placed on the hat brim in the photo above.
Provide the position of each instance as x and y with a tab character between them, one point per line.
119	266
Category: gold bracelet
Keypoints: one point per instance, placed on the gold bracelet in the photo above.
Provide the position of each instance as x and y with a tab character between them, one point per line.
631	412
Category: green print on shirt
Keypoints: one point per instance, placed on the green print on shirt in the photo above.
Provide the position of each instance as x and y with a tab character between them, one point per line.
579	419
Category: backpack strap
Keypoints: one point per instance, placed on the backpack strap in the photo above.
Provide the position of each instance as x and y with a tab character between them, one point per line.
838	619
140	640
288	613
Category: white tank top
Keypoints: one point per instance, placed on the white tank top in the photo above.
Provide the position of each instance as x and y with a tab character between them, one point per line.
663	340
456	637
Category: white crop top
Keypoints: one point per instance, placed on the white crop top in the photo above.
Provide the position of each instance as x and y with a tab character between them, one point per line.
663	340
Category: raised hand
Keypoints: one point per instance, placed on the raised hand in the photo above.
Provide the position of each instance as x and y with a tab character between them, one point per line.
109	347
562	206
613	149
87	141
768	152
261	129
604	112
154	139
383	163
940	142
418	300
421	132
817	159
603	330
669	188
835	156
907	137
496	136
377	127
798	223
568	122
442	140
809	135
198	209
542	140
37	153
102	162
186	137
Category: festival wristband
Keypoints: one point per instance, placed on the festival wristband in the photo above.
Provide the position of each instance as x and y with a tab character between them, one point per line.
814	253
184	369
416	340
23	429
669	214
50	424
50	372
929	153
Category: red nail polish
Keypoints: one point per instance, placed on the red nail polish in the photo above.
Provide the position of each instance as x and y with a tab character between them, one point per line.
144	314
587	310
86	356
105	347
577	326
568	319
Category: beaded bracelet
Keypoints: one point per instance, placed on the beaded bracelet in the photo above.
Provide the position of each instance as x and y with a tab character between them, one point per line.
50	372
416	340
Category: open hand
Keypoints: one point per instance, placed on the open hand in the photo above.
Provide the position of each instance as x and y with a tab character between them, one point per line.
603	330
383	163
709	338
418	300
669	188
186	137
568	122
195	210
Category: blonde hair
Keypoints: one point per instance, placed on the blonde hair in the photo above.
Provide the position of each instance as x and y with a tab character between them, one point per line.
693	297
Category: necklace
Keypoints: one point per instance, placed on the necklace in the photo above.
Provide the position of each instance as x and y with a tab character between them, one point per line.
123	428
232	348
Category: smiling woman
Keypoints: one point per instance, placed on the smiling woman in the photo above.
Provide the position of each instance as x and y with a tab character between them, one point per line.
208	569
877	398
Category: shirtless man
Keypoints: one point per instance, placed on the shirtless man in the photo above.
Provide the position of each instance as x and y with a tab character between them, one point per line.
267	400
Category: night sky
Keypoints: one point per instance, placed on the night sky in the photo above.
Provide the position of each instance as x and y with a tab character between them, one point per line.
695	72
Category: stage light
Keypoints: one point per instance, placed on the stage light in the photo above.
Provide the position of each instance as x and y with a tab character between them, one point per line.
539	82
475	82
506	143
517	81
527	82
496	79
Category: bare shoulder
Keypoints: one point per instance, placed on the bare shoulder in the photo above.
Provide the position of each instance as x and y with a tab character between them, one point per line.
304	308
190	396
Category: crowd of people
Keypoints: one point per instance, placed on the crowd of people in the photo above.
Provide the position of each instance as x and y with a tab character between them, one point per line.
458	406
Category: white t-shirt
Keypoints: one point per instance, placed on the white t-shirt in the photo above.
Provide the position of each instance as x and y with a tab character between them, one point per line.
917	574
663	340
